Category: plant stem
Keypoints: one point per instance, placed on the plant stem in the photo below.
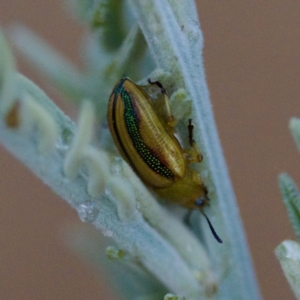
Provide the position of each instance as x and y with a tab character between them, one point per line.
176	42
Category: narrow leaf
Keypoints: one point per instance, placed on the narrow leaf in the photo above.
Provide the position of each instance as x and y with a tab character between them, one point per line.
291	199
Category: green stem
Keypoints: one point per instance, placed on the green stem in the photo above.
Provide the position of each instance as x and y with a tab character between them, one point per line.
176	42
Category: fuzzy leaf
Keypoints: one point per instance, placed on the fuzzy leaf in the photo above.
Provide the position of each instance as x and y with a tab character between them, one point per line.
291	199
288	253
295	130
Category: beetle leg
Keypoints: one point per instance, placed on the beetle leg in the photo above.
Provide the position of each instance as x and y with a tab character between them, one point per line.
193	154
171	121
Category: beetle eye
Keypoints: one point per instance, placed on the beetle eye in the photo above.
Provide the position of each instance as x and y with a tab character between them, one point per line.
199	202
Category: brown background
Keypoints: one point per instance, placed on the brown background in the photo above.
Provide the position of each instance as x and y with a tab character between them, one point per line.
252	66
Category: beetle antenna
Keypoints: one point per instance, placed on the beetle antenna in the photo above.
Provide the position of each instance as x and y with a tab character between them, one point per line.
212	228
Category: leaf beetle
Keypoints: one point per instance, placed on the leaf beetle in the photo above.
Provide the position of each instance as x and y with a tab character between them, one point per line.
143	131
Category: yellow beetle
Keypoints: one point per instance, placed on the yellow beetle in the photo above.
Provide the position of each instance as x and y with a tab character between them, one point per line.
143	131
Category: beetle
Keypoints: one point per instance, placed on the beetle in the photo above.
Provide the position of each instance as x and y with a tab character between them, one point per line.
143	131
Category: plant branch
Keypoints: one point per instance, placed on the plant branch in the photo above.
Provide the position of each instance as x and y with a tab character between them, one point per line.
177	49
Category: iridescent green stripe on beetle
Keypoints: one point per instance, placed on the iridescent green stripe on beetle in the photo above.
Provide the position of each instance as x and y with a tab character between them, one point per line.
132	121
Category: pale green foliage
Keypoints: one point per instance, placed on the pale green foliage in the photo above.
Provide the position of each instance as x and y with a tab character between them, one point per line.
152	242
7	82
291	199
295	130
288	252
173	297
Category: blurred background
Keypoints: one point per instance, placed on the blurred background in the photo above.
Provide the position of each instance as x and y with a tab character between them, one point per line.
252	65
